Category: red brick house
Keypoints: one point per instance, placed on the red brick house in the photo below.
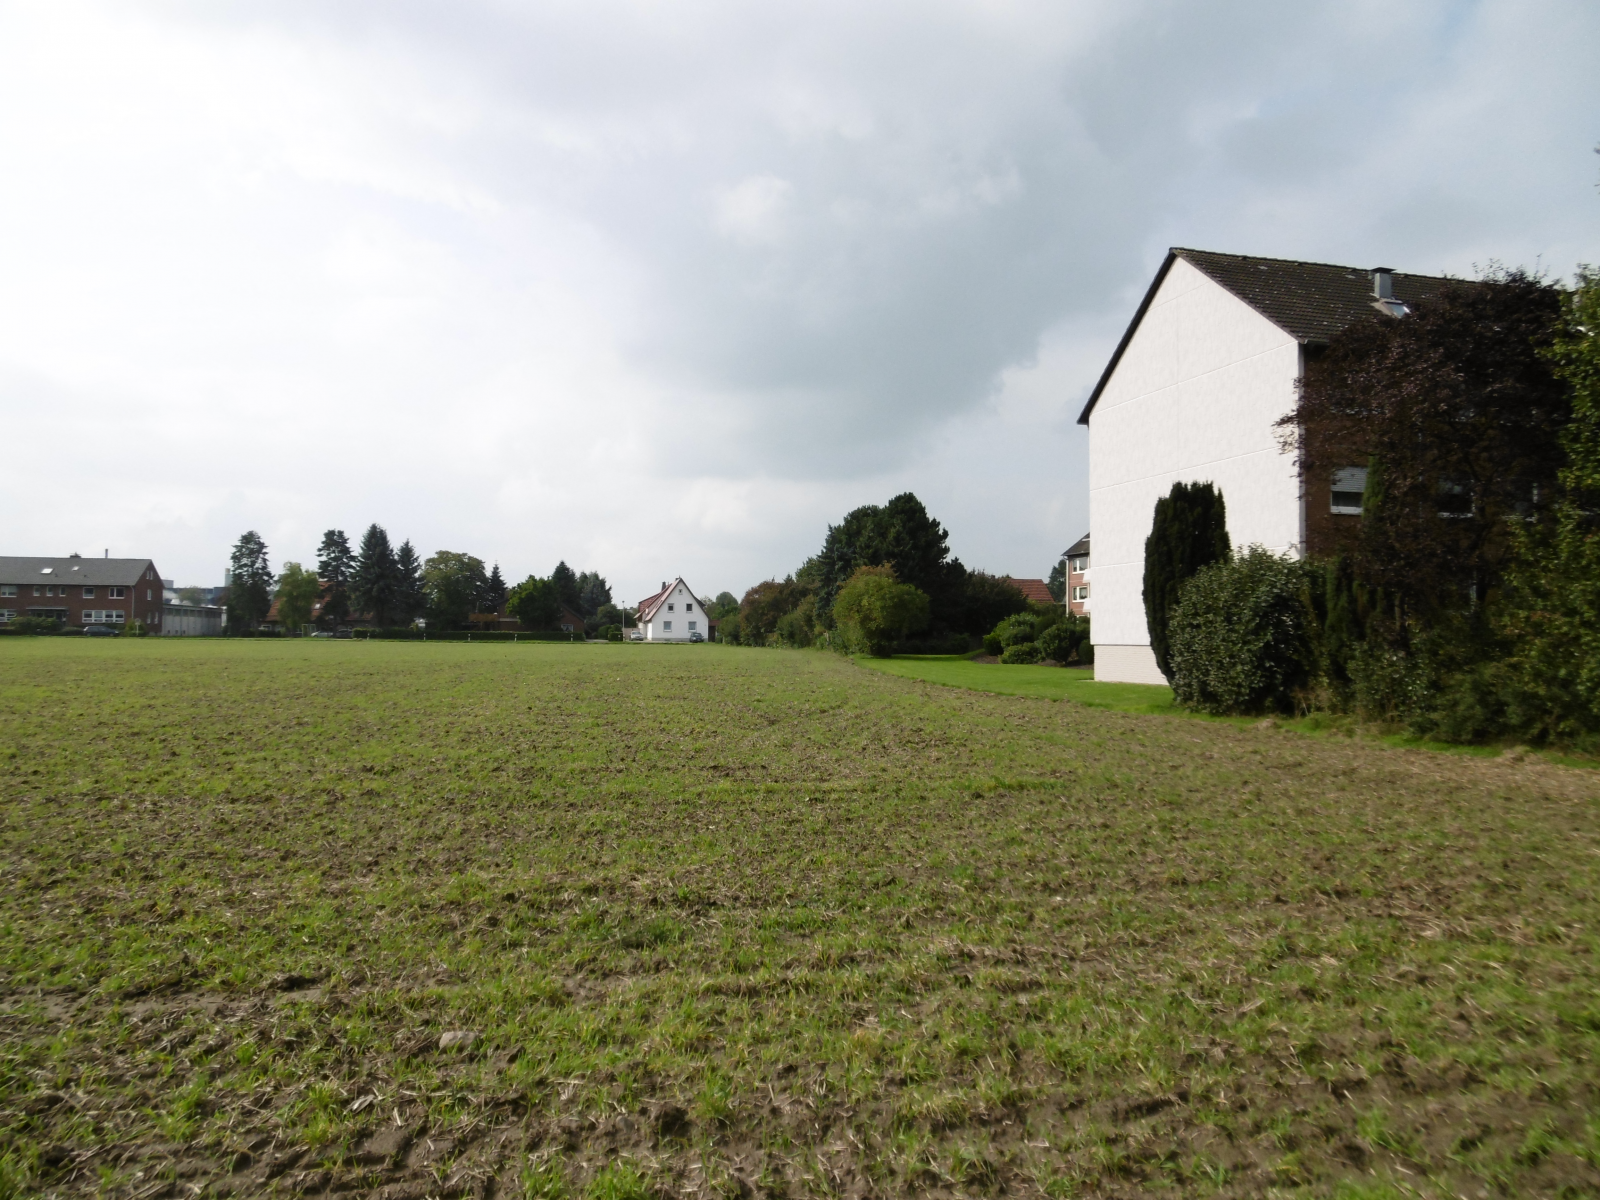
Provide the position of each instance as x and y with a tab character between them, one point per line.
1077	559
82	591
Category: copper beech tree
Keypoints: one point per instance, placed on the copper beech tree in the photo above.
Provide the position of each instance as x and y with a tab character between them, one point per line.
1454	410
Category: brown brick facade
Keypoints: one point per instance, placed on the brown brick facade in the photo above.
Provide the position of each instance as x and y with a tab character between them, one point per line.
82	591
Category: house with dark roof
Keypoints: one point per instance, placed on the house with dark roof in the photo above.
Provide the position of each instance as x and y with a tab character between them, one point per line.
674	614
78	591
1193	393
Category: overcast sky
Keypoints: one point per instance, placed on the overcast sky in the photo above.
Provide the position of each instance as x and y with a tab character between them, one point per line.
663	289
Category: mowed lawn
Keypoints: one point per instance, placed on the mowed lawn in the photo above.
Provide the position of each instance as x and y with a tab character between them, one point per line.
761	923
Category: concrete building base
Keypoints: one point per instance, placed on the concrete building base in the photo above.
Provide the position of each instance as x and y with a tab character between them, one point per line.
1126	664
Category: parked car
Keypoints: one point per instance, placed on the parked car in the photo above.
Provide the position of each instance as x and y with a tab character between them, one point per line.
697	636
322	633
635	636
99	631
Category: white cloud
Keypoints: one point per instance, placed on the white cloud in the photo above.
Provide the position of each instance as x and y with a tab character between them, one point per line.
666	289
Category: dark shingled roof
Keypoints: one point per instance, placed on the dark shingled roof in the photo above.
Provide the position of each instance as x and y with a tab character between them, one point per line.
1081	546
1309	301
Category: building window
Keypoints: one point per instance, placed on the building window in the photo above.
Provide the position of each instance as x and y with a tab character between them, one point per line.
116	593
666	626
8	614
691	626
8	589
1349	485
1455	500
1080	565
669	608
689	608
88	593
1081	592
37	590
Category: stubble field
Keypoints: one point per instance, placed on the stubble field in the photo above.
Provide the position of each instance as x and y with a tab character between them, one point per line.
754	923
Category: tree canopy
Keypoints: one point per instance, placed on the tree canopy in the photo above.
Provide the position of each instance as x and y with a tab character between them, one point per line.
335	562
298	590
1457	413
536	603
452	583
876	610
250	582
375	583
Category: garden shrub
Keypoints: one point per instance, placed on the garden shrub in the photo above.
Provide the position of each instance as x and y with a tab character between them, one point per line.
992	644
874	611
1022	652
1015	630
1243	635
1062	641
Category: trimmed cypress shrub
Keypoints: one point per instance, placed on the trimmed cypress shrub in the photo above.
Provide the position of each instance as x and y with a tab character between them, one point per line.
1189	530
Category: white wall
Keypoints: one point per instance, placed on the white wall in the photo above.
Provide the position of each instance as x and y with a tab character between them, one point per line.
687	616
1194	398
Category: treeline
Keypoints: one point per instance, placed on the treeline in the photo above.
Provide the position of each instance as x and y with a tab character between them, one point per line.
1466	604
379	585
883	579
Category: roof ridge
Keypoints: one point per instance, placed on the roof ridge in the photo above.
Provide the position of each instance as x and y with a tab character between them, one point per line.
1303	262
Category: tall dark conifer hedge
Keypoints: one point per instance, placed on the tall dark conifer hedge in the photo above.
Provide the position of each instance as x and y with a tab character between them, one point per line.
1190	530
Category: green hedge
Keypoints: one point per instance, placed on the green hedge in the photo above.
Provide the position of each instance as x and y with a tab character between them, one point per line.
464	635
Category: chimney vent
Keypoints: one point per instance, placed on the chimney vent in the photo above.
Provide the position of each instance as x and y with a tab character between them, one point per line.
1382	282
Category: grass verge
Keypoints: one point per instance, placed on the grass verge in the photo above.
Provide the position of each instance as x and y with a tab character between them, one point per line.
611	921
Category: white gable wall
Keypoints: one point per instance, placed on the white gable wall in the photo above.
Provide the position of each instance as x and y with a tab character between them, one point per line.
1194	398
685	616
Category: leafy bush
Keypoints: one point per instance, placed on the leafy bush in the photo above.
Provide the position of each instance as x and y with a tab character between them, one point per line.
609	633
992	644
1060	642
1015	630
874	611
1243	636
1022	652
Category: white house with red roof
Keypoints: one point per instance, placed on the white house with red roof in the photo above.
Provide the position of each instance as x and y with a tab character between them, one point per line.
674	614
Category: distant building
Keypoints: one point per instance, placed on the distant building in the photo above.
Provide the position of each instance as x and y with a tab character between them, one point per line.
1036	590
1077	560
80	591
1193	394
674	614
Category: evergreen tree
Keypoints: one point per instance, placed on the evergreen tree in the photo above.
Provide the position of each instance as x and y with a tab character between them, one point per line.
375	584
493	599
1190	529
412	593
593	591
334	565
1057	583
900	534
250	586
566	584
1553	605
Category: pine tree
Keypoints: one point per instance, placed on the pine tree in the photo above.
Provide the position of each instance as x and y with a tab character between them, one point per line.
566	584
334	565
493	599
593	591
409	585
1190	529
250	583
375	583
